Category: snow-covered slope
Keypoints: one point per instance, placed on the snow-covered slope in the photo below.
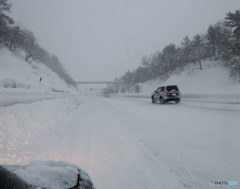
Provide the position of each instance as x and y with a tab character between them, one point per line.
16	73
213	78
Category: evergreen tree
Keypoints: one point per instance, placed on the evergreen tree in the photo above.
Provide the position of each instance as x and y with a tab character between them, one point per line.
5	20
212	40
233	21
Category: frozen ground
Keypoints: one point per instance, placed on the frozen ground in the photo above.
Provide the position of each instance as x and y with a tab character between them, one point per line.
127	142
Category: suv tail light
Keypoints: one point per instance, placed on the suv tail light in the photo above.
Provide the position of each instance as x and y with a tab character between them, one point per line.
164	94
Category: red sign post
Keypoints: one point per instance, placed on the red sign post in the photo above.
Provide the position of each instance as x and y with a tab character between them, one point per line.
40	80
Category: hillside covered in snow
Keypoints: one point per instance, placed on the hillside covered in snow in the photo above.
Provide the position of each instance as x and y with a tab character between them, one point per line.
213	77
20	80
16	73
206	62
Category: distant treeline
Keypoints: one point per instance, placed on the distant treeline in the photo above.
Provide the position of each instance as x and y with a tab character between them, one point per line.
221	42
15	38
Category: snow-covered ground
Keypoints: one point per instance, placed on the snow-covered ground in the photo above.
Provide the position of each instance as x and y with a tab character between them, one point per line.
127	143
123	142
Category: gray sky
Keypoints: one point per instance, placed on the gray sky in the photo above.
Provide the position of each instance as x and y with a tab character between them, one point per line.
102	39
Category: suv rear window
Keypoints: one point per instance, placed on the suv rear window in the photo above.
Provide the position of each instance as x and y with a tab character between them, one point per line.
172	87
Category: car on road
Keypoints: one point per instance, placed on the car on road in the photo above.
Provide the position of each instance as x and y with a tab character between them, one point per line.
165	94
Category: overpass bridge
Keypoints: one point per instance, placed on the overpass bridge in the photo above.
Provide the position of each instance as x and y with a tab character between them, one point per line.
97	82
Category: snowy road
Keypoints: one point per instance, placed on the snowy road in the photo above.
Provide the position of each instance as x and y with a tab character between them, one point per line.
127	143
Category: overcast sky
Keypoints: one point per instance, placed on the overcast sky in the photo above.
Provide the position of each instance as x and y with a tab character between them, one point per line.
102	39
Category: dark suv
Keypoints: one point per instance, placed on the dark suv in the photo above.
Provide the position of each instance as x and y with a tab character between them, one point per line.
167	93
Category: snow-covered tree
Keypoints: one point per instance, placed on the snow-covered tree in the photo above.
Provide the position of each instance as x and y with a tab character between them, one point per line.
233	21
5	20
197	49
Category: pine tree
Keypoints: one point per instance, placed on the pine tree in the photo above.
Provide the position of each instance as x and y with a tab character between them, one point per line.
5	20
233	21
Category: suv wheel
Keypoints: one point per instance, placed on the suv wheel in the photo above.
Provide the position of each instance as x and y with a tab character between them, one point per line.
153	101
161	100
177	101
